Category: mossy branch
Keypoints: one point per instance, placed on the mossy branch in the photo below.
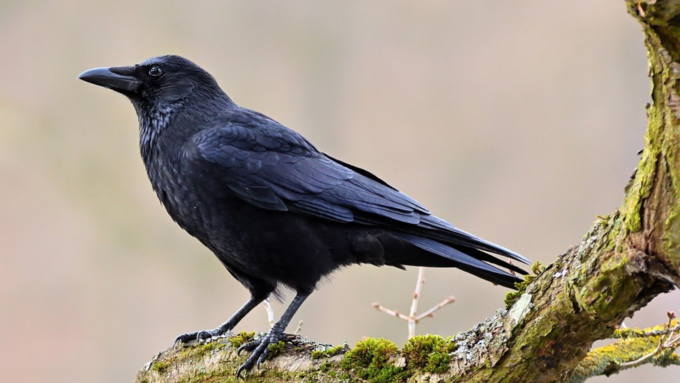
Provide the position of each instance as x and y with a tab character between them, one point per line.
635	347
623	262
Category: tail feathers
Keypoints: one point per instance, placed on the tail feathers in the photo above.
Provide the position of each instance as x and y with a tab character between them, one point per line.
444	231
482	256
469	260
436	229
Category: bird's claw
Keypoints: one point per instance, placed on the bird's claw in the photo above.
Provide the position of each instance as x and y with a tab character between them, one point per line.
262	357
260	350
198	336
250	346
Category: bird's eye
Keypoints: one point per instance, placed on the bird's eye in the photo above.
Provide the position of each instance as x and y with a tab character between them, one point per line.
155	71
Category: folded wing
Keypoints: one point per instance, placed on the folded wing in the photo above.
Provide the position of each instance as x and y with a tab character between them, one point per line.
274	168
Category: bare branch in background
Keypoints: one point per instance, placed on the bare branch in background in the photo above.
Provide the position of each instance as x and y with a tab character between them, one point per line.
270	313
299	327
271	318
412	319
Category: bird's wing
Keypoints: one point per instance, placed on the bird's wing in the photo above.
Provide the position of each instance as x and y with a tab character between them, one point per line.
277	169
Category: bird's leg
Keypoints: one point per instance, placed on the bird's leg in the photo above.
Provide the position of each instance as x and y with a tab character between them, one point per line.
224	327
260	347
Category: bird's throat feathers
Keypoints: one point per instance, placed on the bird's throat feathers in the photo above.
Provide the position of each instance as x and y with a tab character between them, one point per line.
153	122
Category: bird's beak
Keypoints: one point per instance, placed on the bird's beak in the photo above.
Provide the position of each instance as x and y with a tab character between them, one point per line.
105	77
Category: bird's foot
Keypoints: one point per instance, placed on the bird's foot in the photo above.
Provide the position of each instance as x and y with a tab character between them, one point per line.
260	349
200	335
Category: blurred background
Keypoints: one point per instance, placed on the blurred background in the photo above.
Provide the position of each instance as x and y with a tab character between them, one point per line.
516	121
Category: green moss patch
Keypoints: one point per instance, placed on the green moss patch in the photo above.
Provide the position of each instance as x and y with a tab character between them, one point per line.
275	349
429	353
206	348
241	338
512	297
369	360
161	366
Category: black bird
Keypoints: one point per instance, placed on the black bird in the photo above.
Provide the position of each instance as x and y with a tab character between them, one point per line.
275	210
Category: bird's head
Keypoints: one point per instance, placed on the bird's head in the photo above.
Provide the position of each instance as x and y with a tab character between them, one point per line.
159	81
159	88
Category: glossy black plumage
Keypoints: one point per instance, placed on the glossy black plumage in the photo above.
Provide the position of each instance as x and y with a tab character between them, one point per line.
273	208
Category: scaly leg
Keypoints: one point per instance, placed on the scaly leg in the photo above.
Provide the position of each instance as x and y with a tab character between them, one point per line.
260	347
224	327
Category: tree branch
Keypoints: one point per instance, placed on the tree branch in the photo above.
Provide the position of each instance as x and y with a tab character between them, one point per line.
623	262
635	348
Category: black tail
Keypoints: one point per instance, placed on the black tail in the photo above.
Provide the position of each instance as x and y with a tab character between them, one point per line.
470	260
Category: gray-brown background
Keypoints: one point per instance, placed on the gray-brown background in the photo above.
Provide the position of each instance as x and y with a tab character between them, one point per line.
517	121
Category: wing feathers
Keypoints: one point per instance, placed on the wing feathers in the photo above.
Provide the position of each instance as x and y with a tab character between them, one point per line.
274	168
262	197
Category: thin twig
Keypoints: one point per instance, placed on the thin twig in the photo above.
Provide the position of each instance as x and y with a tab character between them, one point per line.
270	313
299	327
666	341
387	311
414	305
643	358
430	312
412	319
626	332
641	11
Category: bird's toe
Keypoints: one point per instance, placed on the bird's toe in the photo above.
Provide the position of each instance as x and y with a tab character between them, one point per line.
260	350
263	357
194	336
249	347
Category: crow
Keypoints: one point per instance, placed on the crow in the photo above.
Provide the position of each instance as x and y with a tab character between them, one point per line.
276	211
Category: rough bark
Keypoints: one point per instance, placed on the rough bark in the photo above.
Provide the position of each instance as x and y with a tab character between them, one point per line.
624	261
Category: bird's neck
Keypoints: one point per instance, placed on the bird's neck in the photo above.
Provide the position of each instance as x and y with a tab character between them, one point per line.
164	128
152	124
158	150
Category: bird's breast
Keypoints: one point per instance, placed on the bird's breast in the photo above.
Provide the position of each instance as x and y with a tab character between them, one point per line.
179	198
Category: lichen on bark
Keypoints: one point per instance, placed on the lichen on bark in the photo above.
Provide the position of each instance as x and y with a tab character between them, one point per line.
634	348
